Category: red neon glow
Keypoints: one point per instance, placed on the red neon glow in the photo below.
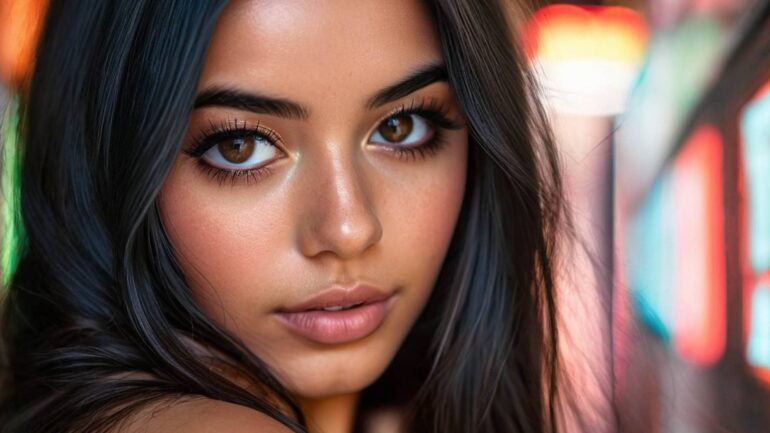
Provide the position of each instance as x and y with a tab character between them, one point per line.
700	320
561	32
763	92
763	374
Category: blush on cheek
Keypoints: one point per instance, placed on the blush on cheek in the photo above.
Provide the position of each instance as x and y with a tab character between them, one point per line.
223	249
427	220
439	208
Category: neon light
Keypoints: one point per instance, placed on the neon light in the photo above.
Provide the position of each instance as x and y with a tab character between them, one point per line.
700	317
566	32
754	182
651	259
13	232
758	350
677	255
21	24
586	58
756	159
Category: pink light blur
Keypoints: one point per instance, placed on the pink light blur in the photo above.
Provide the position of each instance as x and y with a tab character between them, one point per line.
700	319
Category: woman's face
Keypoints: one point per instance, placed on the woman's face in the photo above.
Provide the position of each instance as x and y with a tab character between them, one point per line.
326	156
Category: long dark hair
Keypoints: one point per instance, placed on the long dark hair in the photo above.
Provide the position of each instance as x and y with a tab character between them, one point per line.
97	293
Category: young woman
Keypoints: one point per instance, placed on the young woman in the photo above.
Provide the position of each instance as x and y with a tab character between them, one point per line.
282	216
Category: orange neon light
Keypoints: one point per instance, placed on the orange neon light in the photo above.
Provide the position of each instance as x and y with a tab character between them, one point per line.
568	32
20	24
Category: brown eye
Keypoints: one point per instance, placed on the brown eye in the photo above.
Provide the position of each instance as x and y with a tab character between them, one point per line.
237	150
396	128
242	152
406	130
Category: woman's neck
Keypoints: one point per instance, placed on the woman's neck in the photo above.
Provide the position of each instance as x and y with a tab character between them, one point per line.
330	415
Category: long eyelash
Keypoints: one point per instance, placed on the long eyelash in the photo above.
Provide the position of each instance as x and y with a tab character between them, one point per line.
437	115
229	129
217	133
431	110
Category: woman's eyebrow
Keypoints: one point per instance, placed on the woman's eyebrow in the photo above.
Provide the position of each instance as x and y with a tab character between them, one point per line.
421	77
248	101
257	103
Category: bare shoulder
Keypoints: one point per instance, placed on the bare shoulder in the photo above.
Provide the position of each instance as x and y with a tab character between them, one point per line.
199	415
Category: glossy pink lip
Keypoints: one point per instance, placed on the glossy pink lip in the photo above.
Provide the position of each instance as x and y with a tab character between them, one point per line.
308	318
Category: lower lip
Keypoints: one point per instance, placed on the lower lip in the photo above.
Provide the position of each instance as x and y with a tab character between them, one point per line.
337	327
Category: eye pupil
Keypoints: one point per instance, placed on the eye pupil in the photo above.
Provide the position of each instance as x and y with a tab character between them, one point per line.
237	150
396	128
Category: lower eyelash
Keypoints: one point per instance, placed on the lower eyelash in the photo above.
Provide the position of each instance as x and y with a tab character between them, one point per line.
233	176
430	148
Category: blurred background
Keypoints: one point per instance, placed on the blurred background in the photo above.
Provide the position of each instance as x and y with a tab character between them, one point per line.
662	112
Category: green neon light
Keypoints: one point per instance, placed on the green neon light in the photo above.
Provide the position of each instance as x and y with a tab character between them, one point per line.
13	232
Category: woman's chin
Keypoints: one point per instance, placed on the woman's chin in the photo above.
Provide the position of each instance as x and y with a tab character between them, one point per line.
320	383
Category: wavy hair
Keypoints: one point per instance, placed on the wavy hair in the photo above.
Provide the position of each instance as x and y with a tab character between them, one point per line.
98	295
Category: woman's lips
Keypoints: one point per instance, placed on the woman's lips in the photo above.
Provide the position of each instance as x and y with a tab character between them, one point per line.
365	309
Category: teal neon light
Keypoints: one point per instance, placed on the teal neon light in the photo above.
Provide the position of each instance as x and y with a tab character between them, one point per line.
652	259
756	159
759	338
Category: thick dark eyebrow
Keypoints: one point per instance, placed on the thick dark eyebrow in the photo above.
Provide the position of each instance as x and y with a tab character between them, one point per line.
256	103
422	77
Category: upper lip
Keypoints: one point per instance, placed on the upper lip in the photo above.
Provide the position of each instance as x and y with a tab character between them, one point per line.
339	296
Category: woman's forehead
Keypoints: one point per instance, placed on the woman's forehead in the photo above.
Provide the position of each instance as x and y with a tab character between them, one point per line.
319	51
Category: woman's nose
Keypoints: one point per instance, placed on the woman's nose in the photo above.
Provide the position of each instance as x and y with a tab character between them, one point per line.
338	214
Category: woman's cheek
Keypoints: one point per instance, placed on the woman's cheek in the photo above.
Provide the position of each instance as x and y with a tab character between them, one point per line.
434	207
422	219
226	247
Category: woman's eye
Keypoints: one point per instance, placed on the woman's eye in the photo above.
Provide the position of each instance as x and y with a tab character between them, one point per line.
241	153
404	129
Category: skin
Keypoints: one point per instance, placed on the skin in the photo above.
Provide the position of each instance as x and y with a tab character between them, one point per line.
332	207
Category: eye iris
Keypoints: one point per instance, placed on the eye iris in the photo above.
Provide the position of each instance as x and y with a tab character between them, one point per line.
237	150
396	128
